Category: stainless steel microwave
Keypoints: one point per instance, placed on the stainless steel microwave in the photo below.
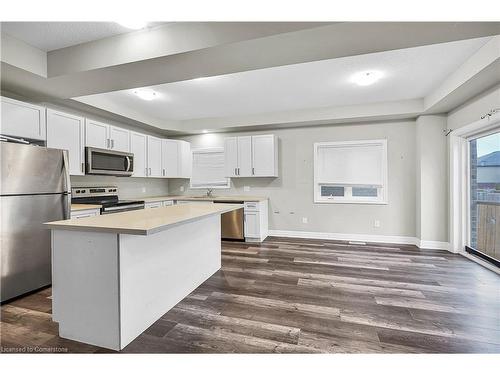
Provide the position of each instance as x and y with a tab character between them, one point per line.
107	162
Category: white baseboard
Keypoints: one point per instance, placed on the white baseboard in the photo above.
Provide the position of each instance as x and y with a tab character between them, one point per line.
403	240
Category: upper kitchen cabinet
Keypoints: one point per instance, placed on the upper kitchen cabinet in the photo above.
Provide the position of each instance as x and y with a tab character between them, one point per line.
101	135
154	157
66	131
170	153
265	155
138	147
22	120
176	158
251	156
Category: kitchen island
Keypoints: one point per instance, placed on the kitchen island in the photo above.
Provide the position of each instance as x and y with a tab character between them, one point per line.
115	275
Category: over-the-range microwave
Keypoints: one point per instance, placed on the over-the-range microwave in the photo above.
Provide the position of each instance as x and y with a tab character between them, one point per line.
108	162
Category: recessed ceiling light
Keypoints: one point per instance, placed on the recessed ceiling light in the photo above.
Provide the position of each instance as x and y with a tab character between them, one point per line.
146	94
367	77
205	131
134	25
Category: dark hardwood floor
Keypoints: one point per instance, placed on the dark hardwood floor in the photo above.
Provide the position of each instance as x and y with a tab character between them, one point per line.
307	296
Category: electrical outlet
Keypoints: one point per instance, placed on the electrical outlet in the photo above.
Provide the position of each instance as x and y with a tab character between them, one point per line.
246	188
376	224
304	220
182	187
143	189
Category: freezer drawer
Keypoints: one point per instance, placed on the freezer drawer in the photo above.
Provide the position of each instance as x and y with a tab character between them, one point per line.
25	243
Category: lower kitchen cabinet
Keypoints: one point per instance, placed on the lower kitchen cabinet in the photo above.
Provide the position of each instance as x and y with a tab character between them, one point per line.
256	221
66	132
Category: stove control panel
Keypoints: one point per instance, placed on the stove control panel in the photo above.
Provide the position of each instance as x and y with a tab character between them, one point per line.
100	191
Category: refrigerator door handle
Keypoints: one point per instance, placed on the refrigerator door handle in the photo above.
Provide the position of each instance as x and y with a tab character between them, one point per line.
67	181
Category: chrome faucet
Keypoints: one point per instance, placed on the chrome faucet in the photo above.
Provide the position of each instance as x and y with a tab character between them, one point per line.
209	192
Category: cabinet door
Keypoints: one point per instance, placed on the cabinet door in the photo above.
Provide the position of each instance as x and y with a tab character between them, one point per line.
96	134
252	224
22	120
154	157
153	205
170	152
65	131
231	156
138	147
119	139
186	159
244	157
263	155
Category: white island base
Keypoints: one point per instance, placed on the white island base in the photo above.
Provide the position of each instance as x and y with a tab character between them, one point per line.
110	287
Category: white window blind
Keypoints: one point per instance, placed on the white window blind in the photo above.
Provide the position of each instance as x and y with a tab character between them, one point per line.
208	169
351	163
351	172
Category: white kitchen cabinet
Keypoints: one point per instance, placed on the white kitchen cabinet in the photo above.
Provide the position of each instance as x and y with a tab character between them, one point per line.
153	204
252	224
66	131
170	158
176	158
138	147
101	135
251	156
96	134
22	120
231	156
264	155
85	213
186	159
154	157
256	221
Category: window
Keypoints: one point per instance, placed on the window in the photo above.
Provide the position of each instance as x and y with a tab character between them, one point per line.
208	169
350	172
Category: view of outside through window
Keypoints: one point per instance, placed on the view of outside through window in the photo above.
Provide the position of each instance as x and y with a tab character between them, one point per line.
485	195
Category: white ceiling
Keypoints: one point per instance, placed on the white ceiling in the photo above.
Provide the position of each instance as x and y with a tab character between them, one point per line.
408	74
49	36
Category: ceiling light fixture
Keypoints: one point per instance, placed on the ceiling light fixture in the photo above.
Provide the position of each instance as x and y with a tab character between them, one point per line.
367	77
146	94
134	25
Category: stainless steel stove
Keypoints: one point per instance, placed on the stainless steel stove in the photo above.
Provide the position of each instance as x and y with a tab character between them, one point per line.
106	196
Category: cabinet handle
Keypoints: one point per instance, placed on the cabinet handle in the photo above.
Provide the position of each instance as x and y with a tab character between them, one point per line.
253	170
83	167
163	171
238	171
146	171
107	142
150	171
112	143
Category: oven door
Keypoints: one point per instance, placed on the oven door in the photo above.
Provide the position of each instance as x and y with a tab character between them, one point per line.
105	162
121	208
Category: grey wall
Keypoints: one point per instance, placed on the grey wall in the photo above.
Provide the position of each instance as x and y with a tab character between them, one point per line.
431	179
291	195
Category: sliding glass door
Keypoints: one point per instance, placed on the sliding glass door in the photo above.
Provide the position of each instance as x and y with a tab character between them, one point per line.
484	199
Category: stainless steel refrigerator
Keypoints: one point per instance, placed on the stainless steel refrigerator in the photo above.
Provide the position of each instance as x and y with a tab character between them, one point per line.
35	188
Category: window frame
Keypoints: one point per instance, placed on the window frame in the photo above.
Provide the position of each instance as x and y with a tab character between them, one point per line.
348	198
206	151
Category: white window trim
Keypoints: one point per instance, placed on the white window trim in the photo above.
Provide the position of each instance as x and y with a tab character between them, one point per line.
209	150
381	199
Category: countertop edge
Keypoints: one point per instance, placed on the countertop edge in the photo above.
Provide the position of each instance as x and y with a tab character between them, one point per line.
139	232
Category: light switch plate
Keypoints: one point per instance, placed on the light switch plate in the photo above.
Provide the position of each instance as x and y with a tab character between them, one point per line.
182	187
143	189
246	188
304	220
376	224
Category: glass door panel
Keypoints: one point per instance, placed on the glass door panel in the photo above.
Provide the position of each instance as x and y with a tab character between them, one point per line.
484	187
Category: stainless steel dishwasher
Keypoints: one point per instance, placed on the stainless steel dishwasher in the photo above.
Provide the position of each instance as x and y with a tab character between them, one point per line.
232	223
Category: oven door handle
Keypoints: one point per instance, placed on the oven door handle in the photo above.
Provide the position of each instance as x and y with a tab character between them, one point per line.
116	208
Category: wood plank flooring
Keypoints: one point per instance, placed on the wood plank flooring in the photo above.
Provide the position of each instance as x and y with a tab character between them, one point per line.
306	296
